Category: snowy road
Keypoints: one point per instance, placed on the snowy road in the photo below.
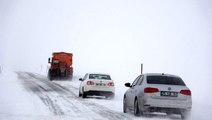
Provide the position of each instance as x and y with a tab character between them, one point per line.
61	100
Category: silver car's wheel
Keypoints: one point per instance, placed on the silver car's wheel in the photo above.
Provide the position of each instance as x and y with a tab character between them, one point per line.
124	105
185	114
136	108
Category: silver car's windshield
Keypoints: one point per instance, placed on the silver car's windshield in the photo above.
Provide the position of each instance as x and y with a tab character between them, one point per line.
167	80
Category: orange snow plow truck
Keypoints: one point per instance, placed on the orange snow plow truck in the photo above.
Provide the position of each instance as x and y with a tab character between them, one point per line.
61	65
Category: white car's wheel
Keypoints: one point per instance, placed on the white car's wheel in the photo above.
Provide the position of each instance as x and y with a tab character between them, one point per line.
110	96
84	95
80	95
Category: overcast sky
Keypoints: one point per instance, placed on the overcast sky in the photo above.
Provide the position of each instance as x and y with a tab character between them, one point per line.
113	36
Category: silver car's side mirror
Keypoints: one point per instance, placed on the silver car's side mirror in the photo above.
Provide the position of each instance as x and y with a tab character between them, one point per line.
127	85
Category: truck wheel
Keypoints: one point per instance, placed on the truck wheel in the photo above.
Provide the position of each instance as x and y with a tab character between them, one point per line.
70	77
50	76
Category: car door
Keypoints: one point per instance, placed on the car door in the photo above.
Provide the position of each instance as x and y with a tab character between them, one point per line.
132	92
139	88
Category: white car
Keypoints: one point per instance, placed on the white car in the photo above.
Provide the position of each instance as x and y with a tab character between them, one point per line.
158	93
97	84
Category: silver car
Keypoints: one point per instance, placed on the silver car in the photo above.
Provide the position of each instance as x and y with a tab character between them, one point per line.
155	92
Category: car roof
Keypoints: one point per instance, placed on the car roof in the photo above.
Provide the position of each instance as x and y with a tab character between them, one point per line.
160	74
99	73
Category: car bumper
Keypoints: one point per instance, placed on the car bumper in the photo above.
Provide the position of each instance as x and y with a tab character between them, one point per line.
166	103
99	91
103	89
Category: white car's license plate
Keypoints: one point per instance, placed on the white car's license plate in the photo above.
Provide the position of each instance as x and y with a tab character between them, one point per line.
168	93
100	84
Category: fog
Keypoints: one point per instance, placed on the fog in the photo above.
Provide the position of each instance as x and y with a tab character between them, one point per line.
112	37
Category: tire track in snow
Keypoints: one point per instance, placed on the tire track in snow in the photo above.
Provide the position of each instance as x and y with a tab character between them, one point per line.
39	91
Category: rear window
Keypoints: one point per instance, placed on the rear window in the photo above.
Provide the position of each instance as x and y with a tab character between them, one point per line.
167	80
62	56
99	76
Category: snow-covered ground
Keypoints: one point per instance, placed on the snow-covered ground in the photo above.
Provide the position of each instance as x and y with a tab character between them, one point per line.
112	36
31	96
17	103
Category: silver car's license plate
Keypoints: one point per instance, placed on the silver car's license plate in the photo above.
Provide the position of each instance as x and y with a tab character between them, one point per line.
169	94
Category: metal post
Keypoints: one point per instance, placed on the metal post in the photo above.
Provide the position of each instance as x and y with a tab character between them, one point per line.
141	68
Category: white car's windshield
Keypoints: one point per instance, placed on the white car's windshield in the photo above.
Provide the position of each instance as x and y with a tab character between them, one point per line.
99	76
